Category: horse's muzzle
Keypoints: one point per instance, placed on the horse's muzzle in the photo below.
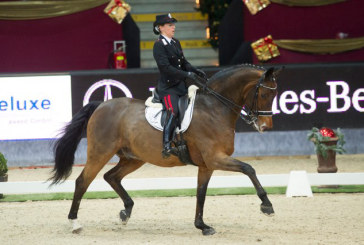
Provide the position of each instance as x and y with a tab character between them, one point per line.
264	123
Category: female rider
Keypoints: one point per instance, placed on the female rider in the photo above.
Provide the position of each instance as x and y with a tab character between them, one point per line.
174	69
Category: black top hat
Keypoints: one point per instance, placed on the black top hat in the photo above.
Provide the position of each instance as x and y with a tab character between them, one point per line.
161	20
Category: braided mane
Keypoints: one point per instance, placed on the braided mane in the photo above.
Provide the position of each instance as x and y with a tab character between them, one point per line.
229	70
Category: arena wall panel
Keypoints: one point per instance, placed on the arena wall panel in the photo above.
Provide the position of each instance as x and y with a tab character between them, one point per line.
330	95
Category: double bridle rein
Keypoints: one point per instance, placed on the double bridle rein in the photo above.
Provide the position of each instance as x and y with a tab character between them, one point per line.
249	115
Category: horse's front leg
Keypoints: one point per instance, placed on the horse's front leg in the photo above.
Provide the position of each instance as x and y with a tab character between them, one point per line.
204	176
231	164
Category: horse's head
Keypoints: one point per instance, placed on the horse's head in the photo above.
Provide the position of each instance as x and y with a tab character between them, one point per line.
250	87
259	101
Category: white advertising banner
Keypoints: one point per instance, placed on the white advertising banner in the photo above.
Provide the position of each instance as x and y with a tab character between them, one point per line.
34	107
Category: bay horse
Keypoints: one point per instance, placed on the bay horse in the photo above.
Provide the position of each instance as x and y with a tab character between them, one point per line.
118	127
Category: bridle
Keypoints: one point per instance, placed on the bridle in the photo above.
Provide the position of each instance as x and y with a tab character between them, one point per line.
249	115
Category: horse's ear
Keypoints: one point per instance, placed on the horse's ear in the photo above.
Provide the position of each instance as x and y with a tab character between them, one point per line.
272	72
277	71
269	74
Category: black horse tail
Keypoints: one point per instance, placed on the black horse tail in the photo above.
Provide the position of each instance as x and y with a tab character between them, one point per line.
65	147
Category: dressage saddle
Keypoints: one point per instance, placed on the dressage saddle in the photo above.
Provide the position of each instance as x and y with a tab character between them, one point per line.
182	107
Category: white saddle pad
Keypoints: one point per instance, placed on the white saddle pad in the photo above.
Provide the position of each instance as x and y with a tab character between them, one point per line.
153	111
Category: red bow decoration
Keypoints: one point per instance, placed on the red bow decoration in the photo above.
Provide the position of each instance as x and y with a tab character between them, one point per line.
267	41
118	3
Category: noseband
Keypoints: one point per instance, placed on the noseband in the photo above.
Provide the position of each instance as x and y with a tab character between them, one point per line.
249	115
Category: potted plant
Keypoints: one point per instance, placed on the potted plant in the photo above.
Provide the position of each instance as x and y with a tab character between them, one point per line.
327	143
3	170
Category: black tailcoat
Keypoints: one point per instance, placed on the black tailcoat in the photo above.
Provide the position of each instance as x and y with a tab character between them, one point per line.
172	65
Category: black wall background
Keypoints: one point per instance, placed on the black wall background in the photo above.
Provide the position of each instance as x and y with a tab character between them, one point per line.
232	47
296	78
131	35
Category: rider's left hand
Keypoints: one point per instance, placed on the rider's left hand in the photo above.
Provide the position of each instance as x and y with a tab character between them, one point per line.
201	73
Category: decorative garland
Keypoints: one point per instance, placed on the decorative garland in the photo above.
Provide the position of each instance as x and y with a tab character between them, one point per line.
216	9
322	46
266	48
306	3
31	10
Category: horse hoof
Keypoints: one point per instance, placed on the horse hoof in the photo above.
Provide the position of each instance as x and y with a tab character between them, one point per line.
165	155
76	227
267	210
77	231
208	231
124	217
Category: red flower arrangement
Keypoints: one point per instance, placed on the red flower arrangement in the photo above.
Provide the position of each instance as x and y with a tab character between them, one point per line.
321	136
327	132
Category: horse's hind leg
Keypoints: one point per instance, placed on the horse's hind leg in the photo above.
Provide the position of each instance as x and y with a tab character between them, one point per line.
204	176
114	177
83	181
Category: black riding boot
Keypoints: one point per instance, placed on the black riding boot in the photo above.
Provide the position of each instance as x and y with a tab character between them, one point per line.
168	131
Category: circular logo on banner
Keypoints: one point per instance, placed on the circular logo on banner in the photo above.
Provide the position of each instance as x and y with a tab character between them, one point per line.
107	84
